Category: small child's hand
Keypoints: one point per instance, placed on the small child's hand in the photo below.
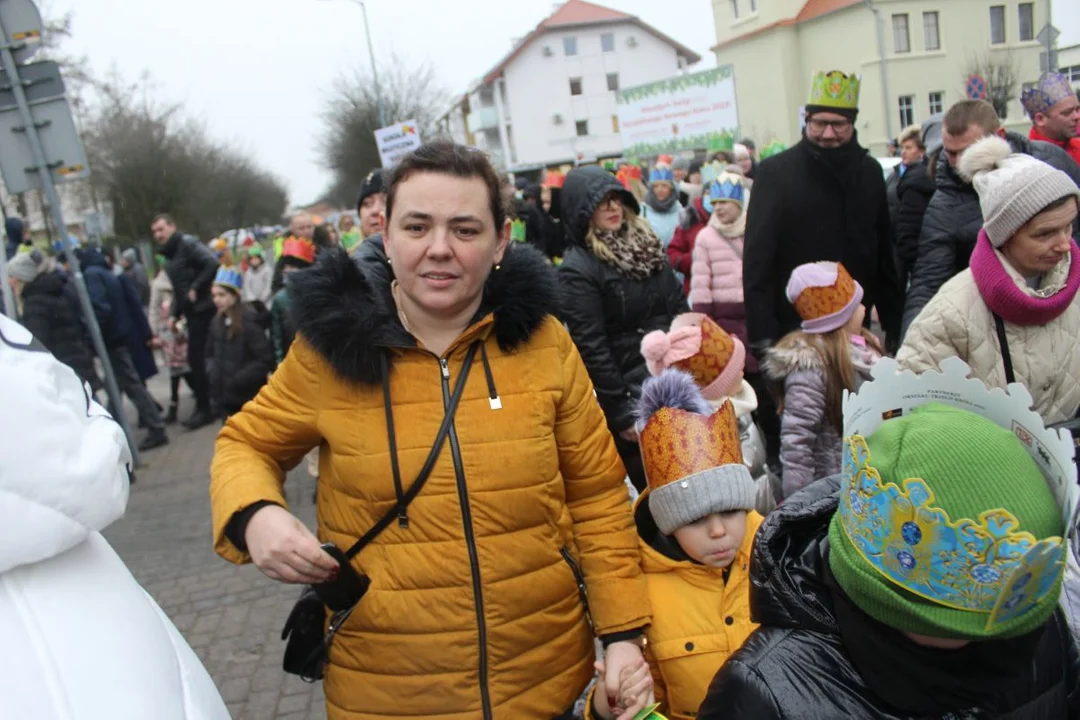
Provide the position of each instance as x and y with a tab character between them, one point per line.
635	686
602	701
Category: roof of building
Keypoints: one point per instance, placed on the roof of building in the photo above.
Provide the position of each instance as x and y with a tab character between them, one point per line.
577	13
811	10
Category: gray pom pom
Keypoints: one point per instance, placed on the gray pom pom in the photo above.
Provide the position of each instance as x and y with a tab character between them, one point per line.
983	156
671	388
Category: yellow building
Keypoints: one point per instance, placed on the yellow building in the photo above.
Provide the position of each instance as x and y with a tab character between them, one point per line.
929	46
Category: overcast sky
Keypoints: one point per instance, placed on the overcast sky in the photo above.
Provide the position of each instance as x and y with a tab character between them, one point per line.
256	71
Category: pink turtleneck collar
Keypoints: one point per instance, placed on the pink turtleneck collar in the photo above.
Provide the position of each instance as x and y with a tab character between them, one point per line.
1003	296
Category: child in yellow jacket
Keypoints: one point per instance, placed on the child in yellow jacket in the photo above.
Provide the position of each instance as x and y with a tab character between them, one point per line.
696	526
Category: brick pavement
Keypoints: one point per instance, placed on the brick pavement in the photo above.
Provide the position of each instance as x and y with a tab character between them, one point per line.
231	616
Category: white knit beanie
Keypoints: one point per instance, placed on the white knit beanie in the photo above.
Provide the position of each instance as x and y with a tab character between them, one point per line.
26	266
1012	188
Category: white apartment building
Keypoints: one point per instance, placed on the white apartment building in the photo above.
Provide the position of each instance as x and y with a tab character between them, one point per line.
551	99
928	48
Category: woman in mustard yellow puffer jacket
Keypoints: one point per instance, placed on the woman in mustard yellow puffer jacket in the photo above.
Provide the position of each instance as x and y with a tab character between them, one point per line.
477	599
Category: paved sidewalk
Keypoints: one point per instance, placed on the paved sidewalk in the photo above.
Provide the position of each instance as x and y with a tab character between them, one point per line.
232	616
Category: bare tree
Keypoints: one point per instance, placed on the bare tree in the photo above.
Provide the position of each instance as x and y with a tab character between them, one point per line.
350	118
1001	73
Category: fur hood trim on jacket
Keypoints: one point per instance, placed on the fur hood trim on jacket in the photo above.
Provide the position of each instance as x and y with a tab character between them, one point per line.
791	355
347	314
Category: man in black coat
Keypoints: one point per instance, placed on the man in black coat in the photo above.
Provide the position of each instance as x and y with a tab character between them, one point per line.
116	316
953	217
823	199
191	268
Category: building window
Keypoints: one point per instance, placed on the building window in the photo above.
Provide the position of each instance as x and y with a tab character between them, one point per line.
575	86
582	128
607	42
735	9
901	38
569	45
931	34
997	24
907	110
1027	21
753	6
615	124
937	102
1072	73
613	81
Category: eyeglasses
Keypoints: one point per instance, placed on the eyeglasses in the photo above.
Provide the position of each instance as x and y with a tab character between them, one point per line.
821	126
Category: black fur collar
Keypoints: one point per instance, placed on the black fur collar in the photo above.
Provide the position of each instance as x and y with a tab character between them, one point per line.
348	315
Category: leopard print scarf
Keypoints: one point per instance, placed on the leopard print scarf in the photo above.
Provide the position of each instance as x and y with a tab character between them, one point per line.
634	249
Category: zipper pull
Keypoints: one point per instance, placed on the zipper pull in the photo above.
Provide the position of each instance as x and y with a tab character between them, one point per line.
445	368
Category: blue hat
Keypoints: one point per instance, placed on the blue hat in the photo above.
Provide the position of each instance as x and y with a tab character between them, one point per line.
230	278
728	186
662	173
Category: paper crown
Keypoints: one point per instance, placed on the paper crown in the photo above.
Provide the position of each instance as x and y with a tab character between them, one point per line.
728	186
698	346
775	147
255	251
835	90
661	173
823	293
299	249
230	278
627	173
554	179
677	444
987	564
721	142
711	171
1051	89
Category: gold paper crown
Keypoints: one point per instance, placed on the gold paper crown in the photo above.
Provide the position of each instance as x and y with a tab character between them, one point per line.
836	90
819	302
717	348
676	444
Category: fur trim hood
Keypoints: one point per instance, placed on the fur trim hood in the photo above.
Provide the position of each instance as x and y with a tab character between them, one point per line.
346	311
791	355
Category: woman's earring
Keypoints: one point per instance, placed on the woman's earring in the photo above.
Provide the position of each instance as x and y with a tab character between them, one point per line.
497	266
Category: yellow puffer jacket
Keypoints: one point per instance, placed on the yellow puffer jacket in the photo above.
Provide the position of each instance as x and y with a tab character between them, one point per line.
474	608
699	620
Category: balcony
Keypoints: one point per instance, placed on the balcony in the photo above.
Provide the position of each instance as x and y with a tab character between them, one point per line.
483	119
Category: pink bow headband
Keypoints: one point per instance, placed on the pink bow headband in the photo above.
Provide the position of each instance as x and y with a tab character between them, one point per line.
662	350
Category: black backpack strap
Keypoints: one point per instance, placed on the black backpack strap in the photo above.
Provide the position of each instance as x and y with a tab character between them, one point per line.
1006	356
429	464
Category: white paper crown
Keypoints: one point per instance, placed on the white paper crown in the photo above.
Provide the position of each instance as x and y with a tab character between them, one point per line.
893	394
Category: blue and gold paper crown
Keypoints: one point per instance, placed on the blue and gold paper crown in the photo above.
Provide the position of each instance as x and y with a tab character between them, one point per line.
987	564
230	278
662	173
835	90
726	187
1051	89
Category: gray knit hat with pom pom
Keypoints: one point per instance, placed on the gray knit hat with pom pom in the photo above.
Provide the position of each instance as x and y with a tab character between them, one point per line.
1012	188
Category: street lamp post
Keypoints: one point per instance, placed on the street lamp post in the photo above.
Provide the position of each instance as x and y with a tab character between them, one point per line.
374	68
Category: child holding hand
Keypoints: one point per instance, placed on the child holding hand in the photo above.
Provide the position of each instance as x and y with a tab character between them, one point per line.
696	524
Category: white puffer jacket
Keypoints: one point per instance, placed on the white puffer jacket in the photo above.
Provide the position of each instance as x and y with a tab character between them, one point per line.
1046	358
79	639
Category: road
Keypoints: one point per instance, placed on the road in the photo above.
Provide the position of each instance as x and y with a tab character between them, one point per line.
232	616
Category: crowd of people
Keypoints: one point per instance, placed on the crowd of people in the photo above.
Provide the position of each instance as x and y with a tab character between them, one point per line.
720	439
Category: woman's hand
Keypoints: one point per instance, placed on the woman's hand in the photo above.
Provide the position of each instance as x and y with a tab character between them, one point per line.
284	549
628	671
602	701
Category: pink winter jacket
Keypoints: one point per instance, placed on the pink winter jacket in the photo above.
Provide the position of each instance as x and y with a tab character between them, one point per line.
716	272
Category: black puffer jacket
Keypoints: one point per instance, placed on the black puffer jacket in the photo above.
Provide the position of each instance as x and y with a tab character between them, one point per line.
795	666
47	313
237	367
953	220
189	264
914	192
608	313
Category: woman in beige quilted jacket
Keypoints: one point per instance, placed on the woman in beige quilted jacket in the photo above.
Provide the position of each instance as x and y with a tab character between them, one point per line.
1016	306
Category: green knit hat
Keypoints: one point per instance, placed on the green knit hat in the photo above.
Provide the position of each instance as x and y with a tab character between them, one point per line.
971	466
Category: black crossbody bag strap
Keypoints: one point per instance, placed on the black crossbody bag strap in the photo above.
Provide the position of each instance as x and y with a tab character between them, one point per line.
1006	356
436	448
